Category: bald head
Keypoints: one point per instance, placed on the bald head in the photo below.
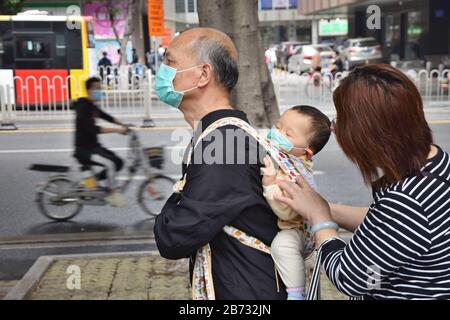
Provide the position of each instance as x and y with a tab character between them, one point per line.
193	36
213	47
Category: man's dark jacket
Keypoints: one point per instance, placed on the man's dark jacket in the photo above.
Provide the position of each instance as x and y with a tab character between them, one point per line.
216	195
86	130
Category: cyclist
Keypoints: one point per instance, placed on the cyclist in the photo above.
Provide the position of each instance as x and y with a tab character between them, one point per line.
88	151
323	66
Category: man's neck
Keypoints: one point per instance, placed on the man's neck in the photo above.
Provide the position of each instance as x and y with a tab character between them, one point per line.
195	113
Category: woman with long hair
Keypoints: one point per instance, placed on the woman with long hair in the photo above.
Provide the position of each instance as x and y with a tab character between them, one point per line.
400	248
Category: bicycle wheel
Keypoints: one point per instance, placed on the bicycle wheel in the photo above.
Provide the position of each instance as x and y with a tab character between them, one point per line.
153	194
328	83
313	87
52	203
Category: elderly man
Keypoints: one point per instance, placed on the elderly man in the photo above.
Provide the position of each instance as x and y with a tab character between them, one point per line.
199	71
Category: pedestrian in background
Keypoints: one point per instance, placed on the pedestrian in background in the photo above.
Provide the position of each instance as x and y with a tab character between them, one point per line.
104	64
271	58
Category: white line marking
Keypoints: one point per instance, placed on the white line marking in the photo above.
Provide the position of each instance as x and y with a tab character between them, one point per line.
71	150
142	178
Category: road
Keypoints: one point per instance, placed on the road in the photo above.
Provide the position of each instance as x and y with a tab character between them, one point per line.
25	234
337	179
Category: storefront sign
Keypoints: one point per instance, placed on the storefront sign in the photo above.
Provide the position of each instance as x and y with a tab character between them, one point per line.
155	18
101	21
333	27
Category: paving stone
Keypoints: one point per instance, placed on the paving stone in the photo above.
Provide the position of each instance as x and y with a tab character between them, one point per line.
132	278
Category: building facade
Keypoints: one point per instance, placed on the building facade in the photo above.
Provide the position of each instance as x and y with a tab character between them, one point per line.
410	29
280	20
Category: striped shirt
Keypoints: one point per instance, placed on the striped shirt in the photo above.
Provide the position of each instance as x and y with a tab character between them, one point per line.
402	248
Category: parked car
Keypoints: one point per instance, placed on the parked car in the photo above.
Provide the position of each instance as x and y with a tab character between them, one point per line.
334	44
361	51
286	50
301	61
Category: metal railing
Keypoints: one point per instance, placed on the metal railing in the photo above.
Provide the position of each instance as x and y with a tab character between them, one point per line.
317	89
128	92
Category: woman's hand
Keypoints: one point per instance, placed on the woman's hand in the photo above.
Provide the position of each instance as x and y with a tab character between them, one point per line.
304	200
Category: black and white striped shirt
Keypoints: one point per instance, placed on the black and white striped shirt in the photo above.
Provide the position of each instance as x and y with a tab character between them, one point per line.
402	249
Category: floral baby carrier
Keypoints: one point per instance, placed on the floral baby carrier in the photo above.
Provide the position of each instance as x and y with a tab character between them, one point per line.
202	280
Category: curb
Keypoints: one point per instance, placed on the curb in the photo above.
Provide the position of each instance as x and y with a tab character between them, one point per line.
29	282
69	130
156	128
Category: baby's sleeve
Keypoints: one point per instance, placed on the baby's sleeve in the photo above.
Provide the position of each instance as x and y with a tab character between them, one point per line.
283	211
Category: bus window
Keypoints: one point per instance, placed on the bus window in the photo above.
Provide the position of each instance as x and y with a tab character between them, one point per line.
60	57
74	49
6	47
32	26
60	45
33	52
33	48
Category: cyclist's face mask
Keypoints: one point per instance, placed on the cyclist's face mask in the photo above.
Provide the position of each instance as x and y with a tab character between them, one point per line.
164	85
96	95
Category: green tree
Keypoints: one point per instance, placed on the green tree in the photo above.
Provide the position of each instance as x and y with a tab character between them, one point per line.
11	7
130	23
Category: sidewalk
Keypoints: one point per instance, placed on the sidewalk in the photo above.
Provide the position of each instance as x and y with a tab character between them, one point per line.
132	276
114	276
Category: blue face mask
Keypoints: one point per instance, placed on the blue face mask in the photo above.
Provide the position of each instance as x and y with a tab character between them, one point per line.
97	95
281	141
164	85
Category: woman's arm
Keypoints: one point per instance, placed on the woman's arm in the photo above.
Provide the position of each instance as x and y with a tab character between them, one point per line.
395	235
348	217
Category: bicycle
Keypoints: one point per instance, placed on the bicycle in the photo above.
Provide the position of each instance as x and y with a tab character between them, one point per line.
319	82
62	197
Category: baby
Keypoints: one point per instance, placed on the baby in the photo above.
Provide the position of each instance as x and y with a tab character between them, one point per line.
300	133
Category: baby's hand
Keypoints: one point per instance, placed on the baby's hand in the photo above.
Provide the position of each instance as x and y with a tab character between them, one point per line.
269	172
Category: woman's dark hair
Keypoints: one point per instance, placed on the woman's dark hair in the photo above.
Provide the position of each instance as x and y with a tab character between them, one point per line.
381	124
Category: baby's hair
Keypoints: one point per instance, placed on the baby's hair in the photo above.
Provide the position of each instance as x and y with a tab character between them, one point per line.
320	124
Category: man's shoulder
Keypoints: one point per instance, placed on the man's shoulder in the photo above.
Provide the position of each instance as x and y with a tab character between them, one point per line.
81	104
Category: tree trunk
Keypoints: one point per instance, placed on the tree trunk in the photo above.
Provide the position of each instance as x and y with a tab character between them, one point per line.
138	33
129	28
254	93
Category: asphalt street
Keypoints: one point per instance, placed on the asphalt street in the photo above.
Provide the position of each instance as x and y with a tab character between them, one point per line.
337	179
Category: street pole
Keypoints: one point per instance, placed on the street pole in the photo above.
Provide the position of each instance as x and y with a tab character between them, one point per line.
155	42
148	88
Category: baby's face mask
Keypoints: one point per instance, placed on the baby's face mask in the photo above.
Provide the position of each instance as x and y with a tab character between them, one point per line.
279	140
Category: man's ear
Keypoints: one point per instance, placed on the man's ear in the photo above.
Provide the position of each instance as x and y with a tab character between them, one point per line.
206	75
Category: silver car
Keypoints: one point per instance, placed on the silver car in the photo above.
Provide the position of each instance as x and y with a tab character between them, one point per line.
301	61
360	51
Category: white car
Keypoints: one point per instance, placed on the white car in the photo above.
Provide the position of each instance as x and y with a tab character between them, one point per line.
301	62
361	51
